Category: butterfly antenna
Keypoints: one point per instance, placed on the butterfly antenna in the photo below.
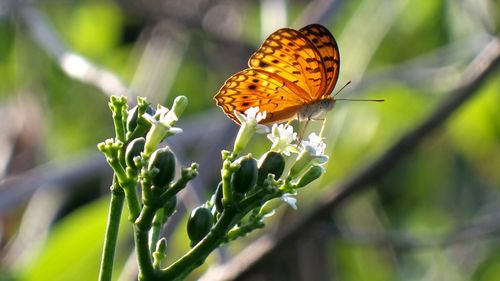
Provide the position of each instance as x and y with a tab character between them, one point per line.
375	100
346	84
338	92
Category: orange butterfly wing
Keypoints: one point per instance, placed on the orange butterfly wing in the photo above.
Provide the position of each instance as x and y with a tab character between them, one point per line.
291	68
290	55
326	45
251	87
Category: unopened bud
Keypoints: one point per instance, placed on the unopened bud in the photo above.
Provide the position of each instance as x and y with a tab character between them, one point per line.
274	163
303	161
310	175
199	224
180	104
160	252
218	198
246	176
164	160
133	150
134	121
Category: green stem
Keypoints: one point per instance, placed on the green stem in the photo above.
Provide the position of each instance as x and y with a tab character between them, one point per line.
156	228
120	106
141	230
227	193
146	270
145	219
197	255
134	206
200	252
111	236
243	230
187	174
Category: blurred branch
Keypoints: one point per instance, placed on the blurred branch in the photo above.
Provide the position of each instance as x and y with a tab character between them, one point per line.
64	174
428	70
476	73
15	189
73	64
477	229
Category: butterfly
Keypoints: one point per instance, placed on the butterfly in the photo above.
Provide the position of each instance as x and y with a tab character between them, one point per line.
290	76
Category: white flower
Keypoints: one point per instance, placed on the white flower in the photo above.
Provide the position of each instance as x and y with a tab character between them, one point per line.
252	114
312	154
282	137
162	127
249	126
314	145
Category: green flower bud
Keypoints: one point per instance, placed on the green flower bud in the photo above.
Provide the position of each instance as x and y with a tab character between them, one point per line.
134	149
160	254
274	163
303	161
246	176
199	224
218	198
161	246
164	160
312	174
180	104
133	118
270	207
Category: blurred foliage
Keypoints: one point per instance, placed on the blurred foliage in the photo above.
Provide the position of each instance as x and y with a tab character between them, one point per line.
449	181
74	245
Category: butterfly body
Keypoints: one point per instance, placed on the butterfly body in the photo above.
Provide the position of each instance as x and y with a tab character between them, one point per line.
290	76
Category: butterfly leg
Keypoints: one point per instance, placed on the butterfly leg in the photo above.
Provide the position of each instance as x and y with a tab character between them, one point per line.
323	125
299	132
303	130
322	128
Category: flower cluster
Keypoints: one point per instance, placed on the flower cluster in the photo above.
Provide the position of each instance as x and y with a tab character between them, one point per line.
249	190
305	167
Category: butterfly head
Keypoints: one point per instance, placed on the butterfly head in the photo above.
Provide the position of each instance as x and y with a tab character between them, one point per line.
316	109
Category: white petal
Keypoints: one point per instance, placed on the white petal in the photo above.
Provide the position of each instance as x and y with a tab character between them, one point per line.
252	112
242	118
270	214
292	201
175	130
150	118
321	159
262	129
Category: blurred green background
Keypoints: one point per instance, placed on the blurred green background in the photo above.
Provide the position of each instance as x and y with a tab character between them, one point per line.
435	216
